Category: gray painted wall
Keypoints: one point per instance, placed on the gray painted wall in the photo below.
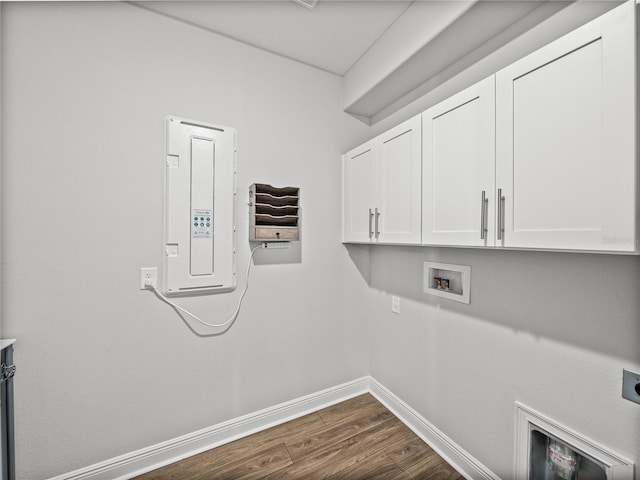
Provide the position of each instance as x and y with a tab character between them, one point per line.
551	330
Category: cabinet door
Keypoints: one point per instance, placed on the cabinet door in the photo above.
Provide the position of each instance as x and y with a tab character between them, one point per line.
565	158
358	178
397	215
458	170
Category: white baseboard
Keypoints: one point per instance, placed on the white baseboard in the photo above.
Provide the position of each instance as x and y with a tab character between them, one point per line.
455	455
147	459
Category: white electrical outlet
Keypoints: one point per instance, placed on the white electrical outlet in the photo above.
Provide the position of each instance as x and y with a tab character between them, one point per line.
395	304
148	276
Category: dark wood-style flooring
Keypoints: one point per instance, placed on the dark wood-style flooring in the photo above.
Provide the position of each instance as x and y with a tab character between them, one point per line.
353	440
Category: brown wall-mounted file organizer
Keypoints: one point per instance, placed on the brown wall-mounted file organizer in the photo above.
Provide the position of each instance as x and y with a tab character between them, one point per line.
274	213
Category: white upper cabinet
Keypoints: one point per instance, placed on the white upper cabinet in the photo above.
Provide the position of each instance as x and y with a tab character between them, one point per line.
458	169
565	143
358	178
399	184
540	156
382	187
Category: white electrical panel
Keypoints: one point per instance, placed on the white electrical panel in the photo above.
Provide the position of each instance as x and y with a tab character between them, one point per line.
200	208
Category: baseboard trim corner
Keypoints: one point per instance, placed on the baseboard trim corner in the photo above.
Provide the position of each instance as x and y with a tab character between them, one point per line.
150	458
455	455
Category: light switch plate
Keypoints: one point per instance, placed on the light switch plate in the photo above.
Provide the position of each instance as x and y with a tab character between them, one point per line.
395	304
631	386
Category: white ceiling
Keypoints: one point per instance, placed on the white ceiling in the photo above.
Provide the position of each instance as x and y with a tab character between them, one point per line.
332	36
388	52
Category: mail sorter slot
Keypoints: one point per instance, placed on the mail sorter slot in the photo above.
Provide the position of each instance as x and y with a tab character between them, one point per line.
274	214
276	210
282	221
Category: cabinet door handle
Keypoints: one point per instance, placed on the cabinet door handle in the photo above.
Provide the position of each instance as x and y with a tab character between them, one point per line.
500	214
370	223
483	215
377	229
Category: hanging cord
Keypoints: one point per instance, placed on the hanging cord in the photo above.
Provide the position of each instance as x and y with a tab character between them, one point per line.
230	319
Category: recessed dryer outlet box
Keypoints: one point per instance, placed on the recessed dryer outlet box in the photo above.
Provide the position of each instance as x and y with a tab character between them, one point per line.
448	281
631	386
